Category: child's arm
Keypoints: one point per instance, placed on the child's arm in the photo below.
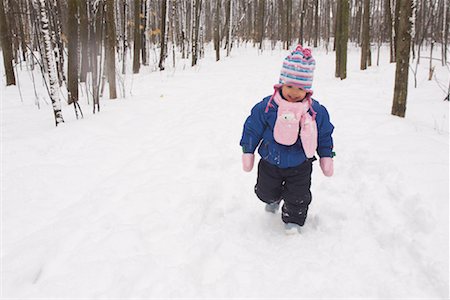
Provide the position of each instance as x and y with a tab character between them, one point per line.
253	129
325	130
325	141
251	137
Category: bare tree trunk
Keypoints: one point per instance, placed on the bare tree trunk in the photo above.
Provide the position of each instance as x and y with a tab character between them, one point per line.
316	23
262	4
143	33
124	35
162	56
84	28
230	28
388	28
5	40
111	48
431	69
288	23
72	63
403	46
396	24
342	39
445	32
337	38
51	63
226	27
302	21
195	30
95	39
216	30
137	37
365	46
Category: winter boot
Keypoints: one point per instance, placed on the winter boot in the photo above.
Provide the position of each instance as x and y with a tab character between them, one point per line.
292	228
273	207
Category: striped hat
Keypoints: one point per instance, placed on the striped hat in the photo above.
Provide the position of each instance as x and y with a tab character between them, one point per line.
298	69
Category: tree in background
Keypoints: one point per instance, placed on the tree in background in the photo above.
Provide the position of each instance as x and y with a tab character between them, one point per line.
365	43
50	62
191	26
72	49
111	48
137	36
403	46
388	28
5	40
341	37
162	56
216	30
195	30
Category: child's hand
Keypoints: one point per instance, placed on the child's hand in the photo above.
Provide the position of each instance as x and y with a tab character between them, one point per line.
248	160
326	164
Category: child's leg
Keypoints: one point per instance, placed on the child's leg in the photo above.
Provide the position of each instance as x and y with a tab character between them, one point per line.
297	194
269	182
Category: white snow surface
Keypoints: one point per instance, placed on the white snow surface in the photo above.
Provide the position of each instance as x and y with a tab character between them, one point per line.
147	199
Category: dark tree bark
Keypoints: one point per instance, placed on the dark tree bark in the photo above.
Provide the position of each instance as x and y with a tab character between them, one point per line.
143	33
72	62
342	39
446	33
216	30
261	9
111	48
195	30
226	27
84	32
302	21
6	47
162	56
316	23
95	39
396	25
388	29
288	12
365	45
137	37
402	58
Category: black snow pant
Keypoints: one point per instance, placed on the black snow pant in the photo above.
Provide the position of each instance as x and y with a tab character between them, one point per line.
292	185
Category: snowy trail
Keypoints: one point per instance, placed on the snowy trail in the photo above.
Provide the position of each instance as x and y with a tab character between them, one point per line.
147	199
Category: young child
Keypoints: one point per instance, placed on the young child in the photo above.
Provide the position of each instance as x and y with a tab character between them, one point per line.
288	128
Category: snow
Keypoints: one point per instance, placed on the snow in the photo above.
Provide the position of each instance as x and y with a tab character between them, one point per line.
147	199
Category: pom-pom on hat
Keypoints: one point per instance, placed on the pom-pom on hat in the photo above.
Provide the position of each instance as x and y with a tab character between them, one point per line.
298	69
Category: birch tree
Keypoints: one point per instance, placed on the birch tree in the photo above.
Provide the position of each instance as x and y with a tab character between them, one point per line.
50	61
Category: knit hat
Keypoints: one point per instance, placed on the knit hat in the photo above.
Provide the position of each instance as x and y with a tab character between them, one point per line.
298	69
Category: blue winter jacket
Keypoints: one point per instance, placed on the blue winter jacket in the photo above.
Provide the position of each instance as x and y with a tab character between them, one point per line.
258	131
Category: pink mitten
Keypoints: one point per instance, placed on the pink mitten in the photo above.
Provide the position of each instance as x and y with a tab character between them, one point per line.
247	161
308	134
326	164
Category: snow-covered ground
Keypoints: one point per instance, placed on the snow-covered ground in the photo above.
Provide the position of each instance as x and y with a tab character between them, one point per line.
147	199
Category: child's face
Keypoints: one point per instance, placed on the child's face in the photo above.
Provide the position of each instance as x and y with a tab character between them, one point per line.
292	93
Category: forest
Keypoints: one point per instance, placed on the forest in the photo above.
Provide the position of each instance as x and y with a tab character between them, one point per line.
86	44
